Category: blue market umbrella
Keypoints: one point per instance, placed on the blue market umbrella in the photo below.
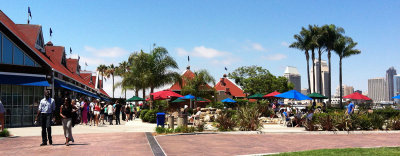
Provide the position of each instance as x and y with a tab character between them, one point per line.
228	100
187	97
396	97
293	94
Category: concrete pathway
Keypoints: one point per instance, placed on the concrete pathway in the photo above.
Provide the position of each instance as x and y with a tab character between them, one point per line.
131	126
231	144
85	144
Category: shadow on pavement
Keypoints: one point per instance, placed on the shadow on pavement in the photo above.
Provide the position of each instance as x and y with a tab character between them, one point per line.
71	144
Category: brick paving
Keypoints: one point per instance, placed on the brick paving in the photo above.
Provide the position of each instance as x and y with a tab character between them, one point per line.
85	144
231	144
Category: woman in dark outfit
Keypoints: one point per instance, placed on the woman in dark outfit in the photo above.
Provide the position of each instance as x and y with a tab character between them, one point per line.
66	112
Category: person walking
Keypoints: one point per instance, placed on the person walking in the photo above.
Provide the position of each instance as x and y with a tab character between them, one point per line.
350	107
91	112
97	109
66	112
78	112
46	108
127	112
2	112
102	111
117	112
110	112
84	107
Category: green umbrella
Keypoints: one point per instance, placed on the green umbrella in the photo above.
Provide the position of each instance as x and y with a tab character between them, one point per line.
200	99
316	96
178	100
256	96
135	98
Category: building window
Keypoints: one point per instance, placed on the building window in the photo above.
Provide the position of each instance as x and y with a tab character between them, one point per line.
18	56
7	51
28	61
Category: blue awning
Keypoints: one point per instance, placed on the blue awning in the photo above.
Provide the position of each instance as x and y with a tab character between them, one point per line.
58	83
23	80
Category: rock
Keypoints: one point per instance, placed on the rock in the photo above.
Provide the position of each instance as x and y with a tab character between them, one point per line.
207	118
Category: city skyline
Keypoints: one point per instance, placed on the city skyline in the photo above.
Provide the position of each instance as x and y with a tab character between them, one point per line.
218	35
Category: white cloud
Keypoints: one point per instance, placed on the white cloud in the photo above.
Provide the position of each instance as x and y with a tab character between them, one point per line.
257	47
202	51
107	52
285	44
275	57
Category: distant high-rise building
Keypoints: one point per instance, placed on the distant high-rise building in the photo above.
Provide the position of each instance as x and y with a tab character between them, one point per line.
346	90
325	78
377	89
390	82
305	91
396	87
294	77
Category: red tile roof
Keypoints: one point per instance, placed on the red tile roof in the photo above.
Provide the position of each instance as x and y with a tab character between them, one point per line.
188	74
28	34
72	65
55	53
227	85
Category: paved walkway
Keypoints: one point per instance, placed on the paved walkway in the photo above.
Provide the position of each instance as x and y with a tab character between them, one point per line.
231	144
85	144
131	126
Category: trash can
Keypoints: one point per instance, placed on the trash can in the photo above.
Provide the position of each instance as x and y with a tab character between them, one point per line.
160	119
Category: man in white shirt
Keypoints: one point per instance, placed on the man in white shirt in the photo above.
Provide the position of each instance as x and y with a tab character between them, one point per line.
110	112
46	109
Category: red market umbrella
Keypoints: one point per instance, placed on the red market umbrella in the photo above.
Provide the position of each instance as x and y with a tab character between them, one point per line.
357	96
148	99
271	95
165	94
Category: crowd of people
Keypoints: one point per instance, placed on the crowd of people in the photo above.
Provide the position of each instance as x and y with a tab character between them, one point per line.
81	111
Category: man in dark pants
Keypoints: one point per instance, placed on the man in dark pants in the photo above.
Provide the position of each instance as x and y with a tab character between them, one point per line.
46	108
117	112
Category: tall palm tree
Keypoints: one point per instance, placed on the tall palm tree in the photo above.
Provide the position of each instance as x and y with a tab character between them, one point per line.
110	72
344	47
301	43
333	34
197	86
121	71
160	68
320	38
140	67
102	71
313	45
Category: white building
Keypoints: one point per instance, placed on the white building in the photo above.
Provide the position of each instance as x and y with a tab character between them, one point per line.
346	90
294	77
325	78
377	89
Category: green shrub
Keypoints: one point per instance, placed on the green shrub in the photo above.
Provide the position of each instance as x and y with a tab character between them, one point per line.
169	130
394	123
187	129
5	133
218	105
151	116
160	130
387	113
248	119
143	113
226	121
377	121
326	121
200	127
361	121
178	129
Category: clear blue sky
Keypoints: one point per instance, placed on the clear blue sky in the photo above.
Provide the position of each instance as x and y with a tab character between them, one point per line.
219	33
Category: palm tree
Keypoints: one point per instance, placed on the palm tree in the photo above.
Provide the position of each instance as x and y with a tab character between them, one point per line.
313	45
102	71
333	34
160	68
301	43
110	72
122	70
140	67
197	86
320	38
344	47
